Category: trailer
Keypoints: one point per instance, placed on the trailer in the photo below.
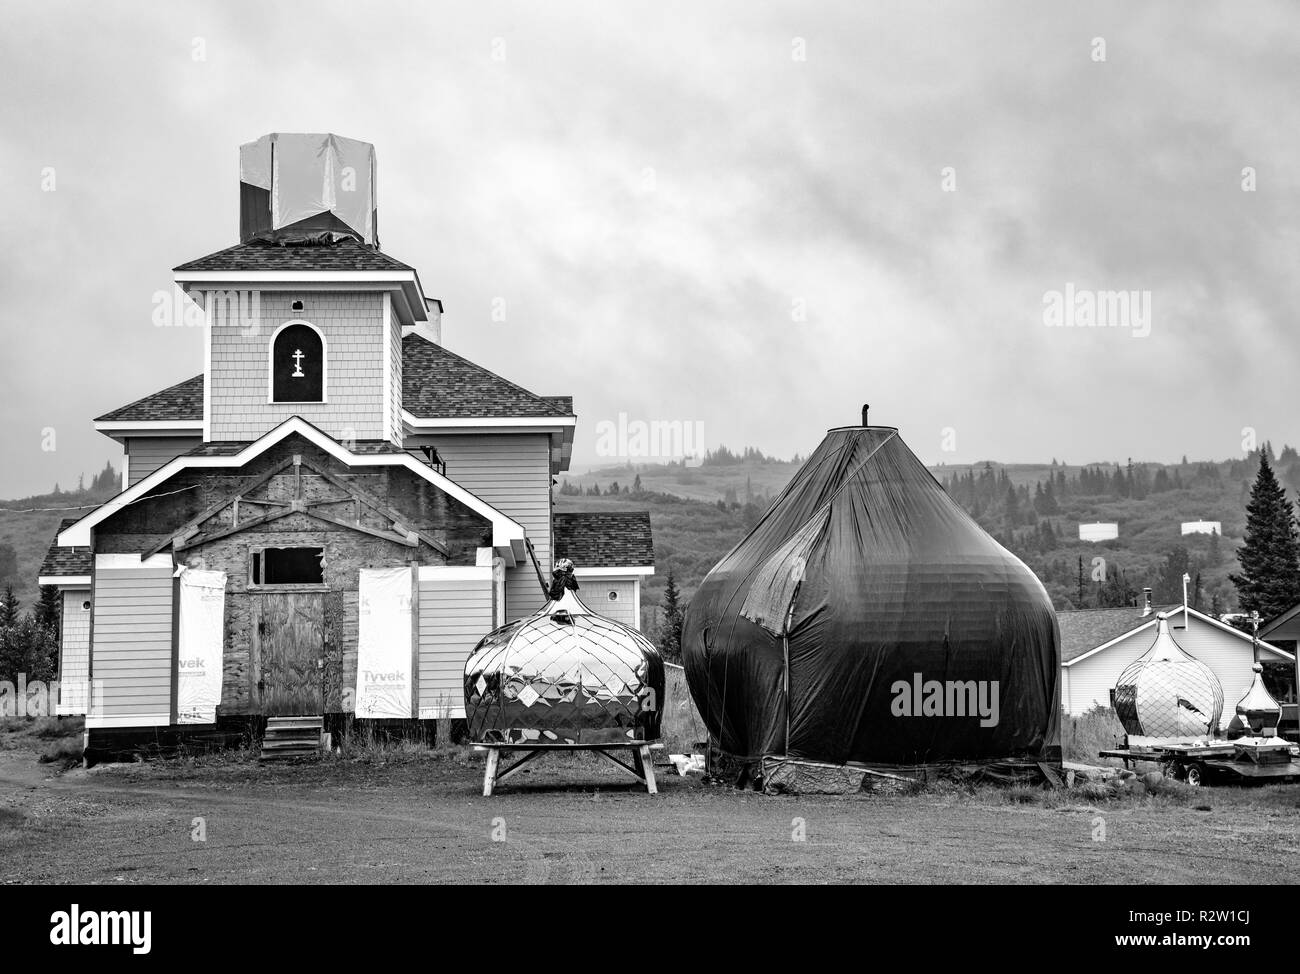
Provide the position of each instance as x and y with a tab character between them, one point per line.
1240	762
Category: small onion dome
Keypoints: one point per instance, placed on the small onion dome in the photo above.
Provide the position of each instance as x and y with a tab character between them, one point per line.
564	675
1257	710
1167	693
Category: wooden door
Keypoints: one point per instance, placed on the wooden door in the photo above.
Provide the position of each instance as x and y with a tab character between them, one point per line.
288	634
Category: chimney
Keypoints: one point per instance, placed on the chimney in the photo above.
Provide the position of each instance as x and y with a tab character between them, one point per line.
1146	602
865	407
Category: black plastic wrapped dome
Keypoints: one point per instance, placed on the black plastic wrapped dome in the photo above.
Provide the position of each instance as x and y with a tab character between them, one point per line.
1168	693
564	675
824	634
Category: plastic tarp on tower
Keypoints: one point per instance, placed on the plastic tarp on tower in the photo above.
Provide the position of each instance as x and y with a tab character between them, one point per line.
295	186
868	618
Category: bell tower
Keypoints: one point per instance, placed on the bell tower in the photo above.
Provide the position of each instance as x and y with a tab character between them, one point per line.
305	315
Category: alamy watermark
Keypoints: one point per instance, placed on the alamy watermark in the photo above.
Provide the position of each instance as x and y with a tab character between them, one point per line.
639	438
947	698
226	308
1081	308
20	698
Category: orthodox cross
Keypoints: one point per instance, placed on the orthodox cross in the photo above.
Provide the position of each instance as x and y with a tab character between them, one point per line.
297	364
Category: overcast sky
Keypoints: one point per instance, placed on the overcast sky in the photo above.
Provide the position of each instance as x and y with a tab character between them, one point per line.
737	214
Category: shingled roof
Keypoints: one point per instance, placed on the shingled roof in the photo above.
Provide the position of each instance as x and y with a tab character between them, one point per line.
182	402
614	539
229	448
347	255
436	384
1083	630
440	384
64	562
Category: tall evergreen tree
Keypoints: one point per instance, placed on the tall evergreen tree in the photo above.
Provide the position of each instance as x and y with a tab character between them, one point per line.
46	611
9	608
670	628
1269	582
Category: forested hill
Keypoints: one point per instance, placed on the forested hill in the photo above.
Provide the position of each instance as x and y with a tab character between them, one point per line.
699	512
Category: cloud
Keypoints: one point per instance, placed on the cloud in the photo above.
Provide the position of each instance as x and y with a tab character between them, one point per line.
656	190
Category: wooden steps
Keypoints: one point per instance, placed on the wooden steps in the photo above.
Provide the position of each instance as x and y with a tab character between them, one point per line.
293	737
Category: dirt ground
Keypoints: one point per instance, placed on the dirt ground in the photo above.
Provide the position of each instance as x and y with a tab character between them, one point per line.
423	820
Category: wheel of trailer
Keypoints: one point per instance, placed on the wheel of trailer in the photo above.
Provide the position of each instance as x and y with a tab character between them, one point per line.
1193	775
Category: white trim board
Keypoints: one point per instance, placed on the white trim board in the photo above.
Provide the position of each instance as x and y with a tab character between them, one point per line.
291	277
454	573
66	582
150	427
507	533
617	572
554	423
94	721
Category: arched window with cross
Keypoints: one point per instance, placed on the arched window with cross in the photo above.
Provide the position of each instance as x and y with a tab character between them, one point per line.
297	363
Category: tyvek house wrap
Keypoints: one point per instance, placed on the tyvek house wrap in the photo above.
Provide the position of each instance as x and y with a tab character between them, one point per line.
298	180
862	589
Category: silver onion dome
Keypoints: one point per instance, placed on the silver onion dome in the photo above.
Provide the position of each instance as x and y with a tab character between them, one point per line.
1168	693
564	675
1257	711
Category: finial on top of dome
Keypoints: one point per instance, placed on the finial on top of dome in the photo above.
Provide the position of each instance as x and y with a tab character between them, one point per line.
563	578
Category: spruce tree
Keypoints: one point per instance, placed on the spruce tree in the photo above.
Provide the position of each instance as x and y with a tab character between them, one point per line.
670	629
1269	582
9	608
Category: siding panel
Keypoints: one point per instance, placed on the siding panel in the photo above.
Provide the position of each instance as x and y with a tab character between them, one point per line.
131	659
512	472
455	613
145	454
74	653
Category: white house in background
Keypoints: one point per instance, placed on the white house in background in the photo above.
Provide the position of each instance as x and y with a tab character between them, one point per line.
1098	531
1203	527
1096	645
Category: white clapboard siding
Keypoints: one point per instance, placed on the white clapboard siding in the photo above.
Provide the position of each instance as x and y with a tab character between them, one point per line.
74	653
131	656
1090	680
145	454
595	594
455	613
512	472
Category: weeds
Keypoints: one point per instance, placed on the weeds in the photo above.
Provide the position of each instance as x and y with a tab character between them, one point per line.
66	752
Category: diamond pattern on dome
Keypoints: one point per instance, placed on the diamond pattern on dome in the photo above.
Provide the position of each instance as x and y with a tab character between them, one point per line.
1168	693
564	678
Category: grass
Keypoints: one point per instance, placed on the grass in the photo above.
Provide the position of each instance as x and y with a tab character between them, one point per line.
42	728
682	727
61	736
1095	730
66	752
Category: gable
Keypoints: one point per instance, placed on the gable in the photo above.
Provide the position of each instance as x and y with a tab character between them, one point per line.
297	487
507	534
